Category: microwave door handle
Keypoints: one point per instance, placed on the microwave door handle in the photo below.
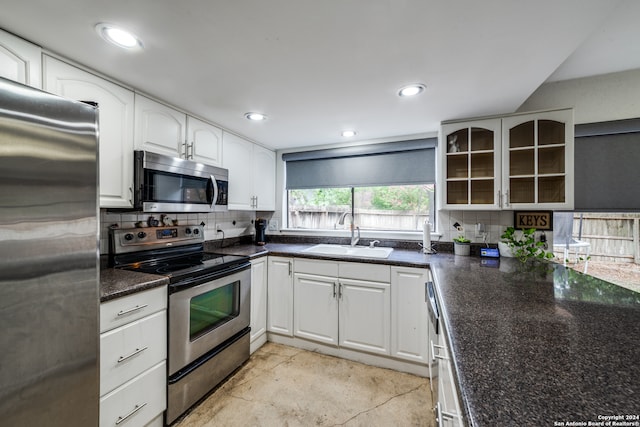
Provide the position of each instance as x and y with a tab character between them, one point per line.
214	185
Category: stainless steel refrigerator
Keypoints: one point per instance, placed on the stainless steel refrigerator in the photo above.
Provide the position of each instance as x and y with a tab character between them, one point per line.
49	268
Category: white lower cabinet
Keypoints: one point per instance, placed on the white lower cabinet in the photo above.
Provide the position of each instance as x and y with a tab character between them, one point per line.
133	352
365	318
280	295
137	402
409	315
258	334
339	304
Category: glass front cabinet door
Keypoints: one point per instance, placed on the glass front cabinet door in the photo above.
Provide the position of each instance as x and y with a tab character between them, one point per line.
471	165
537	153
523	161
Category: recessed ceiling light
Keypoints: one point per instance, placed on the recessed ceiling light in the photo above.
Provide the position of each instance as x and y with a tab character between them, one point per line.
118	36
255	116
348	133
411	90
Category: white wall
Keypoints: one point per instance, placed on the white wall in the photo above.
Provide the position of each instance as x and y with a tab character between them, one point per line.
606	97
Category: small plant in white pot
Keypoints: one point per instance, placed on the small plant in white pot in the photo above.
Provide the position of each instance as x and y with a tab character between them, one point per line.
461	246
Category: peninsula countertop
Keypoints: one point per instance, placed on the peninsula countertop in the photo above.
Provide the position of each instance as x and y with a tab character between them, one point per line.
539	344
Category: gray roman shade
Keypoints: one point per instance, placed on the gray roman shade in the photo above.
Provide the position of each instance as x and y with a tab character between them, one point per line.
607	166
393	163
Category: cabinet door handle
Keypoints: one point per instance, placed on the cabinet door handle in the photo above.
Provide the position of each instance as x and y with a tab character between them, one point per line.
435	356
334	289
507	200
131	310
130	355
183	154
131	196
289	268
190	156
339	290
136	409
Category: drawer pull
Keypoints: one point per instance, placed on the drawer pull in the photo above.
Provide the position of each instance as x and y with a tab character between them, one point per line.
435	356
129	356
136	409
131	310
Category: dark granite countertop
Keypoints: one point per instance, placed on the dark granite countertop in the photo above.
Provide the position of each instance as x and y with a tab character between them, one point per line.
116	283
539	343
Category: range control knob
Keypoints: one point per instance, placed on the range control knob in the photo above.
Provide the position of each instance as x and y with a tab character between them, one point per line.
142	235
187	230
128	237
196	231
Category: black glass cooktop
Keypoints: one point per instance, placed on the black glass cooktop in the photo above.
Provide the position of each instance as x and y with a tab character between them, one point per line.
186	266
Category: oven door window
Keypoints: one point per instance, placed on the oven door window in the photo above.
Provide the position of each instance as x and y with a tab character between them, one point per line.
209	310
164	187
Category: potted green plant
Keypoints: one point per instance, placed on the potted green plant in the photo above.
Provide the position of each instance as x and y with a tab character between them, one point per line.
522	245
461	246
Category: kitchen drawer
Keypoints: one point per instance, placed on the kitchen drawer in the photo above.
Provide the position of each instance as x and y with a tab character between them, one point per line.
320	268
123	310
131	349
364	271
140	400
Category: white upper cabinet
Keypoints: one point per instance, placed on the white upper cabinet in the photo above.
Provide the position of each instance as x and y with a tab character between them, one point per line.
264	178
164	130
204	142
470	165
537	152
20	60
159	128
115	112
523	161
252	171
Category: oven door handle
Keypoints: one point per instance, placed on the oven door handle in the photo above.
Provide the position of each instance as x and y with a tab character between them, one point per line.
194	281
213	185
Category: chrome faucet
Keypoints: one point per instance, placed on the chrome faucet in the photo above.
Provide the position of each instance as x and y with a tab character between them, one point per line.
341	219
354	239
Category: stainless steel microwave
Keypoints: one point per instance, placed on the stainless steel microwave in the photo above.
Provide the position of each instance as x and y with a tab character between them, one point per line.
169	184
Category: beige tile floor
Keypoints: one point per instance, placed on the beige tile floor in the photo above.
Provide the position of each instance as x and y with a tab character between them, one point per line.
286	386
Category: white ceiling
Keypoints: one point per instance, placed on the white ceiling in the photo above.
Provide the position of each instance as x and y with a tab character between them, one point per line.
318	67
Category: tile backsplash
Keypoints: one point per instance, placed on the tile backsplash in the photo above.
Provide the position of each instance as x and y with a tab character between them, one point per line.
232	223
495	222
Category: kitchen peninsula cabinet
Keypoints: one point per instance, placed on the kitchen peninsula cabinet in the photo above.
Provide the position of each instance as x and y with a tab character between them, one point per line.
115	109
252	173
20	60
280	295
343	303
522	161
133	352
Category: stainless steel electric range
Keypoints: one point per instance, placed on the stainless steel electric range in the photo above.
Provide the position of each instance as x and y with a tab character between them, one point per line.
209	306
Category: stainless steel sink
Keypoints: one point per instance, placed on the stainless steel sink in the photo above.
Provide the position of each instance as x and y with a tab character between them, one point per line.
350	251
